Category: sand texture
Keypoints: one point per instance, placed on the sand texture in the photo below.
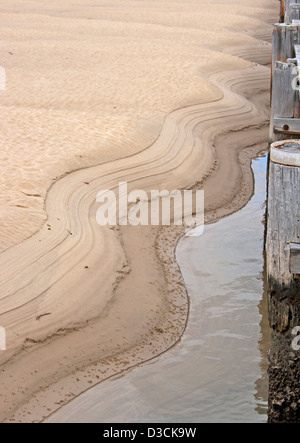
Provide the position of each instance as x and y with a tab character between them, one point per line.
163	95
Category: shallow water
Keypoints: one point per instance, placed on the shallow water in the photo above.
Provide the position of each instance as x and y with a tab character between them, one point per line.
218	371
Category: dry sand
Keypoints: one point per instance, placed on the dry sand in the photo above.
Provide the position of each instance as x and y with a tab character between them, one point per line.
158	94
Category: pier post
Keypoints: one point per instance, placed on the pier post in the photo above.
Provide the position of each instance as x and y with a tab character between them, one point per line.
291	11
285	37
285	103
283	268
285	90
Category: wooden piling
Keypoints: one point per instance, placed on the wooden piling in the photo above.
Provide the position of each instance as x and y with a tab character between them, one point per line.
285	96
292	11
283	268
285	103
289	11
283	218
285	37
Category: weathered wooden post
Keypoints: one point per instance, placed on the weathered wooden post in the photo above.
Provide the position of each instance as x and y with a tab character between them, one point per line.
291	11
285	37
285	82
285	98
283	267
285	103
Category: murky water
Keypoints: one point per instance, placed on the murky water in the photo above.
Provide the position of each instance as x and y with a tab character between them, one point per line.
218	371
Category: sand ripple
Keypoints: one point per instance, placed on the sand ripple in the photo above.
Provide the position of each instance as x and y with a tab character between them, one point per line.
80	302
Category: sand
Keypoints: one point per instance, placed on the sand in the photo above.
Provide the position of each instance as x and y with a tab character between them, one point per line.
158	94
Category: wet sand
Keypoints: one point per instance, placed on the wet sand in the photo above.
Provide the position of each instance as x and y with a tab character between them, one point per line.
81	303
218	372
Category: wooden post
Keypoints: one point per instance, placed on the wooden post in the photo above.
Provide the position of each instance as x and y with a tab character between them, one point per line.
285	37
284	94
285	103
292	11
283	209
283	268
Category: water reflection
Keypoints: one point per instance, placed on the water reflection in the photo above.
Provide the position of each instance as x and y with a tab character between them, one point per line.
218	372
262	384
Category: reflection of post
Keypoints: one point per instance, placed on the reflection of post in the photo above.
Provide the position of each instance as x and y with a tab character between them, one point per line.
2	339
2	79
262	384
283	268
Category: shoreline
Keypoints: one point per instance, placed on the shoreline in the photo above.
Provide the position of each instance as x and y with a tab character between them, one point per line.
51	343
168	239
192	365
161	346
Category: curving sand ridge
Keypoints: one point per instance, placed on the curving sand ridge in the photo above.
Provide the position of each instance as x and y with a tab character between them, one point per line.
80	302
71	294
93	82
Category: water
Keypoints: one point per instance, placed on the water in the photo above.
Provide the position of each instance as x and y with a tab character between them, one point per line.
218	371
